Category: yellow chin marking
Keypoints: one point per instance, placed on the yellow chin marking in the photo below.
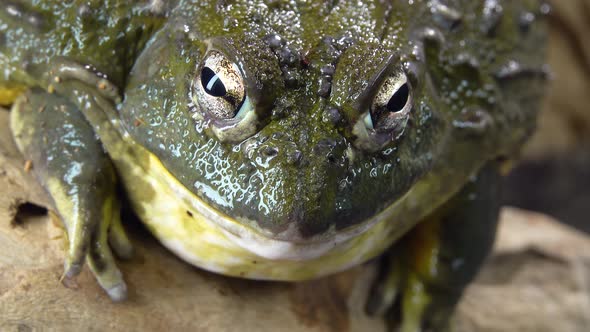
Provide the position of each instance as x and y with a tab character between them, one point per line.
182	222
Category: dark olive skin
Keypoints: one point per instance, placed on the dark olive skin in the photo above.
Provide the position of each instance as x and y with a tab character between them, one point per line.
297	119
297	159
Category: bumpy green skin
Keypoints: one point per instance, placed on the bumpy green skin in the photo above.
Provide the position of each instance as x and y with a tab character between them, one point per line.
456	76
475	68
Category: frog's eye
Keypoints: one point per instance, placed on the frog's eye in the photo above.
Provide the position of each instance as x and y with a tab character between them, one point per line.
387	115
220	88
219	93
392	102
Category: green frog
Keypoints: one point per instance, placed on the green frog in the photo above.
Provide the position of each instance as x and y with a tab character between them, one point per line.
279	139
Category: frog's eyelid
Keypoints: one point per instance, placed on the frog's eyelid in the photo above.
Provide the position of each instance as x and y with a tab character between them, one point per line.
242	126
368	121
376	81
244	108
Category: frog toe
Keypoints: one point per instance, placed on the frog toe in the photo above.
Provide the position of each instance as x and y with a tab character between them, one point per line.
100	256
118	239
102	264
120	243
385	289
71	269
78	238
118	293
403	296
110	278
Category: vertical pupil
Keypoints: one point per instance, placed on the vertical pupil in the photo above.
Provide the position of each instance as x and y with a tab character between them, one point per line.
212	83
399	99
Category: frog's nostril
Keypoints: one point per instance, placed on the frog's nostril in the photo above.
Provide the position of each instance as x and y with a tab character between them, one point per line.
333	150
332	159
294	157
270	151
332	115
326	144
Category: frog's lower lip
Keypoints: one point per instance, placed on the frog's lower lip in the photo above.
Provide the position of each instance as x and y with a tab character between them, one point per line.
286	245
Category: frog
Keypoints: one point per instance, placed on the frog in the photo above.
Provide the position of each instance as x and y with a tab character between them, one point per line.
279	140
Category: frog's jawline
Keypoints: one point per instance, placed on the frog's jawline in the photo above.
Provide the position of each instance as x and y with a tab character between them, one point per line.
204	237
264	245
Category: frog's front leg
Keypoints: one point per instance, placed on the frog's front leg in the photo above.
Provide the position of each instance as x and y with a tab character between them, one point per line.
71	164
425	274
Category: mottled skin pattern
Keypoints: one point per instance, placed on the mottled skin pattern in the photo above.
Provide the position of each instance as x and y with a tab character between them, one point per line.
300	172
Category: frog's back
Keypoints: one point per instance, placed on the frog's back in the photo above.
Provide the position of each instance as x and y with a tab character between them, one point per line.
487	59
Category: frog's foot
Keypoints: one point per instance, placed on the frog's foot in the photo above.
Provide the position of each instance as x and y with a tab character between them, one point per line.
100	258
118	238
423	276
71	164
386	288
97	252
407	286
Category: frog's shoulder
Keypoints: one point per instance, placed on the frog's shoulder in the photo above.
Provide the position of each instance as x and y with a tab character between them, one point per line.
104	34
486	59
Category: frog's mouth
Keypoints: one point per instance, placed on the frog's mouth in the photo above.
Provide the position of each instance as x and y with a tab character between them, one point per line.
174	196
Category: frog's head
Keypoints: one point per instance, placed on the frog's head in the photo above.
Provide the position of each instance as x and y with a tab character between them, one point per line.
296	144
